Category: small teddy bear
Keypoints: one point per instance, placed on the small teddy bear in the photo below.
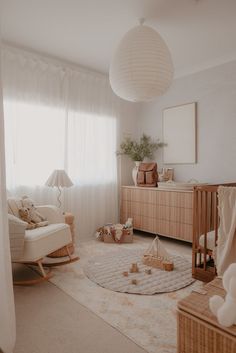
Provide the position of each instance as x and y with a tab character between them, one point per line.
225	310
25	216
34	216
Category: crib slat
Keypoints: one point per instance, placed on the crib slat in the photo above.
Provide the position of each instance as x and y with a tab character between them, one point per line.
205	219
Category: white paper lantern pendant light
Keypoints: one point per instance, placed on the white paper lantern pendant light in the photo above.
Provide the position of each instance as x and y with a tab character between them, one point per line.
141	68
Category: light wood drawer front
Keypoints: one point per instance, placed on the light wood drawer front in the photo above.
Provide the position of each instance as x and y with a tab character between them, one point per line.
123	218
137	222
142	196
139	209
164	212
147	224
174	230
168	198
174	214
126	207
174	199
126	194
148	210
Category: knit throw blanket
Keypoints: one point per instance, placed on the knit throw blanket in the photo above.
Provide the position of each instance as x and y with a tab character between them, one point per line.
226	247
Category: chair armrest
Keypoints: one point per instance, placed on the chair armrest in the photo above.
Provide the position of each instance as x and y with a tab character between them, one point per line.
16	225
51	213
17	229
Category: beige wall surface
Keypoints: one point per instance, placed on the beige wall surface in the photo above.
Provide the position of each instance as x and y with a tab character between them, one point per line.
214	90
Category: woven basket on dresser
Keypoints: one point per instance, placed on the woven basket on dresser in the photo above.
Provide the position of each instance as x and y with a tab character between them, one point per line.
198	329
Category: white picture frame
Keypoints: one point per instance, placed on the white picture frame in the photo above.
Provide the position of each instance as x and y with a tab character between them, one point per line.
179	134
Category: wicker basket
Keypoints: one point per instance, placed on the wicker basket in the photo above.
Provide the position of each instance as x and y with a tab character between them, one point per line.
63	251
127	237
198	329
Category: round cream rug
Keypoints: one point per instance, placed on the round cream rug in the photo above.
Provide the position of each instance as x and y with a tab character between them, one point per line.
107	271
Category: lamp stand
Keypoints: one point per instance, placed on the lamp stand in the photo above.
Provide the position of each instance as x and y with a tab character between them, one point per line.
59	196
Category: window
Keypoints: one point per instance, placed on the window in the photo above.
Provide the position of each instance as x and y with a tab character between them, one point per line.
42	138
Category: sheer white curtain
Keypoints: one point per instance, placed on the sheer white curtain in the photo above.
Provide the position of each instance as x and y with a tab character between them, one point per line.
7	310
61	117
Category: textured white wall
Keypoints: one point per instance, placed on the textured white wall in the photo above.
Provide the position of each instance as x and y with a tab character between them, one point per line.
214	90
128	127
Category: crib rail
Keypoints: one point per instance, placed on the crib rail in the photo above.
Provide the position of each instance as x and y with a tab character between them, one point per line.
205	220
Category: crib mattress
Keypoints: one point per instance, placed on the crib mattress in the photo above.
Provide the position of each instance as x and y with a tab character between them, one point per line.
210	240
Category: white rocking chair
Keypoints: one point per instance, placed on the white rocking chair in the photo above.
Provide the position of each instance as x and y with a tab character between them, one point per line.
30	247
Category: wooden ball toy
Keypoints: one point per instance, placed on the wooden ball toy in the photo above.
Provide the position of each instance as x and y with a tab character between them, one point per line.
148	271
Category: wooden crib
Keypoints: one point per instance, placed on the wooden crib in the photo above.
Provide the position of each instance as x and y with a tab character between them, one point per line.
205	230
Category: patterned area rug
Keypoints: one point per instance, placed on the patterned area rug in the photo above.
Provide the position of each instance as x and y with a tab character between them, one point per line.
148	320
107	271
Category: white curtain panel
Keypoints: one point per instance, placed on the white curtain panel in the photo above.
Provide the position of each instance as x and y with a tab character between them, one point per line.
62	117
7	311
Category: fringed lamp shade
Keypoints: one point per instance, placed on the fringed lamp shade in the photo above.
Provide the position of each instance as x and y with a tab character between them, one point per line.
59	179
141	68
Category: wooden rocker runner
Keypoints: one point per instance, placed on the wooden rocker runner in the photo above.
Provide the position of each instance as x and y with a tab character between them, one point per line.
41	268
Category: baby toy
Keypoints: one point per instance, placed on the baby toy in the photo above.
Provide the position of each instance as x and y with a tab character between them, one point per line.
33	216
25	216
157	256
129	223
134	268
148	271
225	309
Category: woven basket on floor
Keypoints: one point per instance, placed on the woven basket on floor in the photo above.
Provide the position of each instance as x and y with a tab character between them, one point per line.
63	251
127	237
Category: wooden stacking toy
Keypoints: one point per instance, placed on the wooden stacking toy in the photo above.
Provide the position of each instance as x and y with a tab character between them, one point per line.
134	268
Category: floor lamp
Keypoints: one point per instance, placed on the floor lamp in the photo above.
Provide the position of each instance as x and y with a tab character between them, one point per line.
59	179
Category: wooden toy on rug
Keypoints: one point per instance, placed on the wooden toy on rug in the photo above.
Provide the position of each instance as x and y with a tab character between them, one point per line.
126	273
148	271
134	281
134	268
157	256
168	265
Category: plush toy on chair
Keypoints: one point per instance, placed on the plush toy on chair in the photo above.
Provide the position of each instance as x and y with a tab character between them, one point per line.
225	310
33	216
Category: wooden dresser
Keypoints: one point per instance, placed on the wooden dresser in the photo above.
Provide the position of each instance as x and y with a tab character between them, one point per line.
158	211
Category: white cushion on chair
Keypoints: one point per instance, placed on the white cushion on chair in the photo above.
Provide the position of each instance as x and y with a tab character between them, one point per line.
41	241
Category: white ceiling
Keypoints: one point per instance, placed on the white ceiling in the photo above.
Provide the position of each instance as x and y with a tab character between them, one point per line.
199	33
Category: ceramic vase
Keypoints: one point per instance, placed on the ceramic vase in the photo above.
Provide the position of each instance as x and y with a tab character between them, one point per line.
135	172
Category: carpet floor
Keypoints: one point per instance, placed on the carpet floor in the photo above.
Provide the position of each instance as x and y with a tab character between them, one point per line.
150	321
50	321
